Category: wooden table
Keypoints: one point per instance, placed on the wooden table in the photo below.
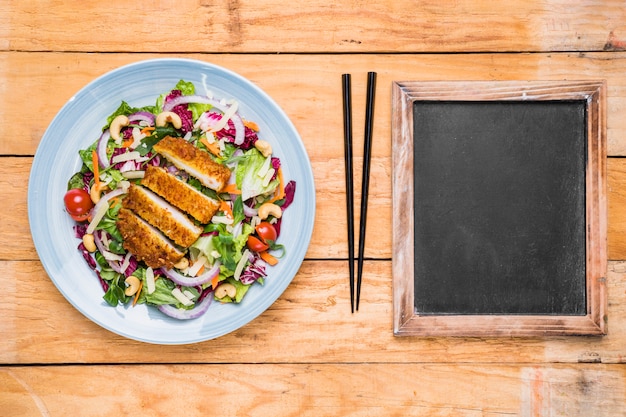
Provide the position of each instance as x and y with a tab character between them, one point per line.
307	355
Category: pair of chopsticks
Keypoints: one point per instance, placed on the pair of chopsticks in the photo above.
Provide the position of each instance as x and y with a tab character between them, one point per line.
367	148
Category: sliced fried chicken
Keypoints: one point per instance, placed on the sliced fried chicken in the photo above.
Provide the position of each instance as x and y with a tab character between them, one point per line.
146	242
182	195
194	161
159	213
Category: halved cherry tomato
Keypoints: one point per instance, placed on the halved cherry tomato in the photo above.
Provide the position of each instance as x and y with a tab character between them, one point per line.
78	204
256	245
266	232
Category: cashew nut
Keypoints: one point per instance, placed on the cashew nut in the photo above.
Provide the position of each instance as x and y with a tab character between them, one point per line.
167	116
264	147
133	285
89	242
225	289
116	126
96	191
268	209
182	264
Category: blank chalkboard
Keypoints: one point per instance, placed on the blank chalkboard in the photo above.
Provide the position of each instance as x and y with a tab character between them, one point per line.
500	194
502	188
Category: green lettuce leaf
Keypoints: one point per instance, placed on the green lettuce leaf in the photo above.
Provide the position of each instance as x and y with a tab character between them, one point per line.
247	175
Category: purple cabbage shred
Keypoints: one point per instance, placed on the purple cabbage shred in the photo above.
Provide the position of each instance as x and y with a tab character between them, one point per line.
290	191
254	271
88	258
103	283
132	266
181	110
79	230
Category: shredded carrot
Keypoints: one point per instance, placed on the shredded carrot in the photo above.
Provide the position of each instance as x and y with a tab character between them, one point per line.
212	147
225	207
96	167
231	189
251	125
114	201
280	192
147	130
215	281
137	293
127	143
267	257
200	271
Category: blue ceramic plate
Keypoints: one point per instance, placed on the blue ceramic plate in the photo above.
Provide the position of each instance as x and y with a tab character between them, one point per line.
79	123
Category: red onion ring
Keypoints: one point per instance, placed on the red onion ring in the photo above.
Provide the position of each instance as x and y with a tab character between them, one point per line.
192	281
239	128
197	311
142	116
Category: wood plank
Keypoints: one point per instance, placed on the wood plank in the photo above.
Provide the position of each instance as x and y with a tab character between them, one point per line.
277	26
311	322
309	93
15	240
388	389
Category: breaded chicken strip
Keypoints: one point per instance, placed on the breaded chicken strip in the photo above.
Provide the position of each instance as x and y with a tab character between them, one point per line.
194	161
159	213
146	242
182	195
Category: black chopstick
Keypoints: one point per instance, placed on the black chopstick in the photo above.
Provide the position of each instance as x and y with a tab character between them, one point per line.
367	156
347	134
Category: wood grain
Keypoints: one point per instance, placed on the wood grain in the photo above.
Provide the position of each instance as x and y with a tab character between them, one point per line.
309	93
389	389
277	26
45	328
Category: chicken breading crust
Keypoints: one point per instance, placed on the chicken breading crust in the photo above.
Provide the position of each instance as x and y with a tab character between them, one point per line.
180	194
146	242
194	161
172	222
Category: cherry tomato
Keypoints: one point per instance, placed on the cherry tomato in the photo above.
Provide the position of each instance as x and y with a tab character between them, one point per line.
256	245
78	204
266	232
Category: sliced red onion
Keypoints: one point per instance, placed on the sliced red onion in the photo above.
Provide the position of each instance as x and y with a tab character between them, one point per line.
170	104
143	116
180	314
101	149
237	122
186	281
249	211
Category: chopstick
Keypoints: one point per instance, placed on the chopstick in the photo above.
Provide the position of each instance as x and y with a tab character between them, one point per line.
367	156
347	134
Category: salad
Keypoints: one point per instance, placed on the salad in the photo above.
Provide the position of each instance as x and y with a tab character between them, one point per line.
179	203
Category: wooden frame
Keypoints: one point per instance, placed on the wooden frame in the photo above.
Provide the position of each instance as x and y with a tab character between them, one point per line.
406	320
